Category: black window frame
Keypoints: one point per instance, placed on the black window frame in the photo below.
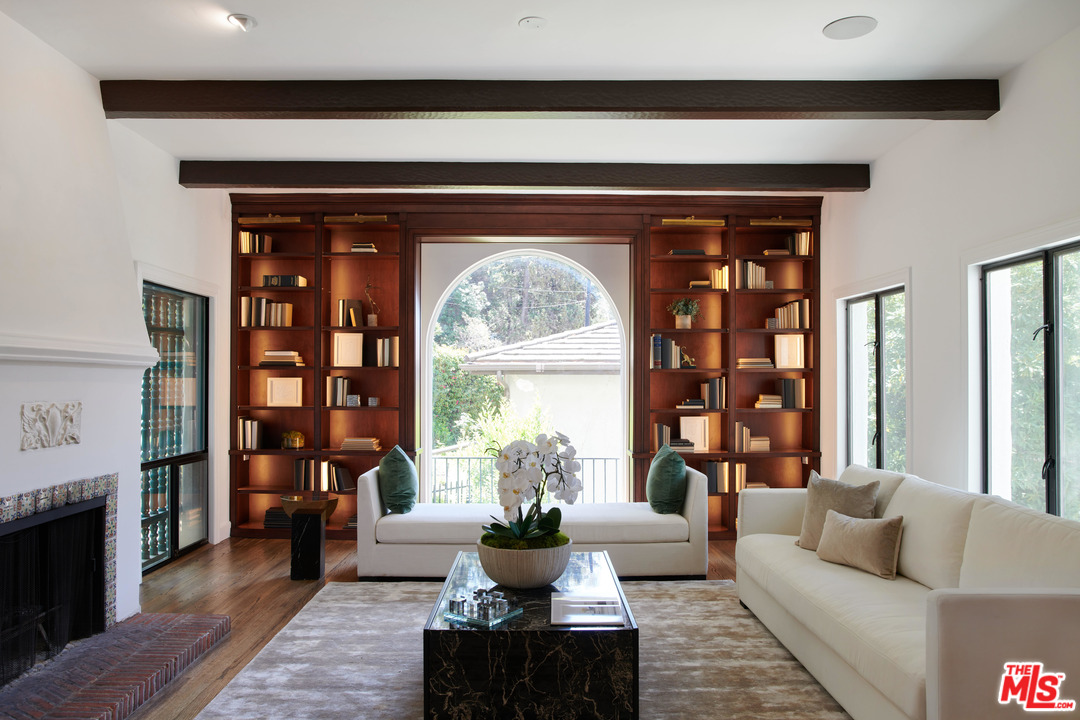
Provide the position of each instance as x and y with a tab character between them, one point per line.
879	373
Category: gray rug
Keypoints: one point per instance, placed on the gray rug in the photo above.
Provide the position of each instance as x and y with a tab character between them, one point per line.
355	651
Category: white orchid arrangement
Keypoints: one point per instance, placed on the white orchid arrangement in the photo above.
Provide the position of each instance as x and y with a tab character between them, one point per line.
528	470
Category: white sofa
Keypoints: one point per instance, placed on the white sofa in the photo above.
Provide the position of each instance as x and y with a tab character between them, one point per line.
981	582
425	541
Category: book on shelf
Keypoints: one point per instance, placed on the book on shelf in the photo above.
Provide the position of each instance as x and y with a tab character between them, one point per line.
681	445
800	244
718	278
766	401
700	284
350	313
284	281
792	392
753	362
341	478
714	393
338	388
789	351
304	474
691	404
348	350
740	477
350	524
716	471
388	351
248	434
695	428
661	436
750	275
252	242
794	315
368	444
777	251
276	518
758	443
686	251
263	312
359	247
755	484
281	358
667	354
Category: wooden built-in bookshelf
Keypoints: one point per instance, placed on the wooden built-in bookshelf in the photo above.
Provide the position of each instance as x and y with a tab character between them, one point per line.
313	236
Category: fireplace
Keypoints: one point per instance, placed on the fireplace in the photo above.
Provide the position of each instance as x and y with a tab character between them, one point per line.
57	570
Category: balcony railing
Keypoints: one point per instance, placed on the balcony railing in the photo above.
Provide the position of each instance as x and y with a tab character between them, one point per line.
474	480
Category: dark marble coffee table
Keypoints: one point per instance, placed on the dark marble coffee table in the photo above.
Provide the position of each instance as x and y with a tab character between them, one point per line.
527	667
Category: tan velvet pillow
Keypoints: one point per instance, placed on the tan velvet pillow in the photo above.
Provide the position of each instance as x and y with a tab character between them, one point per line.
822	495
872	545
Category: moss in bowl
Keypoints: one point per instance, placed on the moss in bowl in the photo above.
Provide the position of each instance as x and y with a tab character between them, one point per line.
505	543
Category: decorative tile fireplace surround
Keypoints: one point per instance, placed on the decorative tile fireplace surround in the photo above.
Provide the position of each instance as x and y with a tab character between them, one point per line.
13	507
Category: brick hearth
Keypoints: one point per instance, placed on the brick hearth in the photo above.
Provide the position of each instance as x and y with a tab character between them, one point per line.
109	675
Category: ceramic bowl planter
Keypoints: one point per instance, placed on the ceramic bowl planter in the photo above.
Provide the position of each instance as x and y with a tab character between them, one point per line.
524	569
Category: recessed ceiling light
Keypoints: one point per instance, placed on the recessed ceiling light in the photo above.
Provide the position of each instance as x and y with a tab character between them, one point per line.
532	22
244	22
850	28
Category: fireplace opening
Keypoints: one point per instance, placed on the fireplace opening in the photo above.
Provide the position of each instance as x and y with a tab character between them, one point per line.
52	583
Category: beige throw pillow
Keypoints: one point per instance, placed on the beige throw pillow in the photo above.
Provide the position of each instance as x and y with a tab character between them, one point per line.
822	495
872	545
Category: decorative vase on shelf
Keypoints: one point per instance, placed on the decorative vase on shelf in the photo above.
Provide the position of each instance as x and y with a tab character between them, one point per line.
524	569
527	550
372	320
682	322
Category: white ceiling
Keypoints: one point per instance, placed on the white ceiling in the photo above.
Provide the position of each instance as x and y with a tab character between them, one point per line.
583	39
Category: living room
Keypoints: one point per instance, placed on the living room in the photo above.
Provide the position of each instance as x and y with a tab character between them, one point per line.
92	207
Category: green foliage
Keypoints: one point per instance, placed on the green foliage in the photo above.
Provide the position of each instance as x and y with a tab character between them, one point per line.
685	306
536	543
498	425
459	397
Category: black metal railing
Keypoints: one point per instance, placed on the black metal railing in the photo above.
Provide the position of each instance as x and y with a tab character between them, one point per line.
475	479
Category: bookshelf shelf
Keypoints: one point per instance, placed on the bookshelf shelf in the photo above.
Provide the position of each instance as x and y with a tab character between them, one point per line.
733	326
320	251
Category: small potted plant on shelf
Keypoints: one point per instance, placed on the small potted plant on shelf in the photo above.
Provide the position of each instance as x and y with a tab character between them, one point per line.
685	310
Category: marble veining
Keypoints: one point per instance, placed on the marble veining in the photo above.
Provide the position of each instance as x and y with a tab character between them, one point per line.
528	667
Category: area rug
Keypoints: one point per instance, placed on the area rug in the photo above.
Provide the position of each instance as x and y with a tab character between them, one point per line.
355	651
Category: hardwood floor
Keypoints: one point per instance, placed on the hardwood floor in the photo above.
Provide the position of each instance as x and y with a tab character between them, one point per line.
249	581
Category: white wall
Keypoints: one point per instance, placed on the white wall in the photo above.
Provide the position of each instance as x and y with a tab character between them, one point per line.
955	194
71	327
180	238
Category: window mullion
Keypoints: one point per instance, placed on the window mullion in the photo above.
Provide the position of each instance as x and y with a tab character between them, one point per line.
1051	348
879	377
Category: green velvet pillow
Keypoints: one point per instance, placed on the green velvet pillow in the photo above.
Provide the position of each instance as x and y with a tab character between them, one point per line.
665	486
398	482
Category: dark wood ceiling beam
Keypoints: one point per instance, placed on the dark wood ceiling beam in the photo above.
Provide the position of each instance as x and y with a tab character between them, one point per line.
634	99
446	175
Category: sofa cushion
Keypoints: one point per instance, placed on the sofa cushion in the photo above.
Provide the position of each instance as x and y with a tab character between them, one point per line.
887	483
822	495
871	545
935	527
1012	546
587	523
665	485
878	627
398	483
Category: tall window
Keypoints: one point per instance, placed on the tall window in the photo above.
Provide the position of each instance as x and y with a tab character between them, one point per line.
174	443
1031	309
523	343
877	380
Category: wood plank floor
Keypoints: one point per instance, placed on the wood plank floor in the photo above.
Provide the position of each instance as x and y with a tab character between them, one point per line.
249	581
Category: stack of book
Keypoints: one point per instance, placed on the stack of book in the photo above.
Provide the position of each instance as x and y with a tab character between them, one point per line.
681	445
800	244
359	247
284	358
700	284
769	401
276	518
350	524
367	444
716	471
350	313
248	434
284	281
718	278
254	242
338	478
759	443
686	251
262	312
777	251
691	404
753	362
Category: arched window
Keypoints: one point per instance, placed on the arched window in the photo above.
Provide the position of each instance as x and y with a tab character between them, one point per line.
521	341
